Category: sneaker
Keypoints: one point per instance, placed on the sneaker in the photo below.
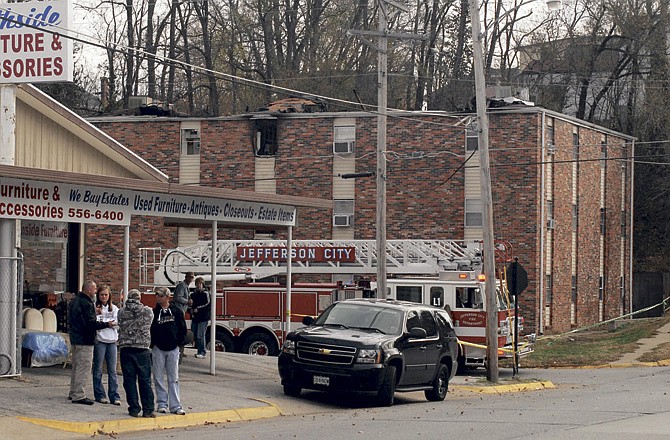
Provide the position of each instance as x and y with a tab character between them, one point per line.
180	412
84	401
200	356
163	410
134	414
117	402
149	415
103	401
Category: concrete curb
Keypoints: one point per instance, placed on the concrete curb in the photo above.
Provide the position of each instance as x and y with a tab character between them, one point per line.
661	363
120	426
511	388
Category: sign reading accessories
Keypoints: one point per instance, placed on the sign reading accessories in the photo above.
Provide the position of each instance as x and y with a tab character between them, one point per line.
33	47
43	201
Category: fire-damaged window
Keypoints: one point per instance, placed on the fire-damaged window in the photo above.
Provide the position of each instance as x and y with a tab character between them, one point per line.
265	137
190	142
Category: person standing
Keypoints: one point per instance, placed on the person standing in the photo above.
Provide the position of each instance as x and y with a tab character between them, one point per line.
200	314
168	331
181	300
134	340
82	327
104	350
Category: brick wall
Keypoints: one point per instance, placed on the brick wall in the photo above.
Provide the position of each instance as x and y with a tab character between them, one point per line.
424	200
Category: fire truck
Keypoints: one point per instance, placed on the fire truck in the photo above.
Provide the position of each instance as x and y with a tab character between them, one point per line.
250	314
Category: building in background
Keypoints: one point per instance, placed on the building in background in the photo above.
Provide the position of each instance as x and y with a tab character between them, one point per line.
562	190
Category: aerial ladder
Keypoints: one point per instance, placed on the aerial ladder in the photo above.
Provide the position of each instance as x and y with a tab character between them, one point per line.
403	257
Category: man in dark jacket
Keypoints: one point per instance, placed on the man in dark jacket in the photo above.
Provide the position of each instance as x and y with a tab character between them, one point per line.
82	327
134	341
168	331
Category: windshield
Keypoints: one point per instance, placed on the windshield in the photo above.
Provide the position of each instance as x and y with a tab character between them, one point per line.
349	315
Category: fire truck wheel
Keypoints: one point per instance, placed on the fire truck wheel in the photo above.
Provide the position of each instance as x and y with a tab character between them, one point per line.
223	343
387	387
260	344
440	385
292	390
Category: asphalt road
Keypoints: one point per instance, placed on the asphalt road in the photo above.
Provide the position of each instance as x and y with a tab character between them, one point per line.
612	404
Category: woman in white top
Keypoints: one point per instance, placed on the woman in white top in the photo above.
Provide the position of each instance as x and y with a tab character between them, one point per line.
105	350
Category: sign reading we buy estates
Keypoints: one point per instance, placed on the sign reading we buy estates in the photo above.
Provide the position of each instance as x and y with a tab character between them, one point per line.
33	47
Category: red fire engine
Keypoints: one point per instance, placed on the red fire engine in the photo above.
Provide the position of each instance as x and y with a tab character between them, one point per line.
250	315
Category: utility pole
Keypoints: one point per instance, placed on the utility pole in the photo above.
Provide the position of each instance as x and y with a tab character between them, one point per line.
382	93
487	203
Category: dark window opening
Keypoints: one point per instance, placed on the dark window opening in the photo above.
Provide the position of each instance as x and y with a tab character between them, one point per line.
265	141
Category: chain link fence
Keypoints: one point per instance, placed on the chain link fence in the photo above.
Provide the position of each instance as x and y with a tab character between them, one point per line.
11	314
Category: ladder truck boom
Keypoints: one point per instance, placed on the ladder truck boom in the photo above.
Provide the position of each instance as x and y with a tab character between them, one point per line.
238	259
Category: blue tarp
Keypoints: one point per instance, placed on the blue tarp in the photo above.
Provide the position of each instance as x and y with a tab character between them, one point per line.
48	348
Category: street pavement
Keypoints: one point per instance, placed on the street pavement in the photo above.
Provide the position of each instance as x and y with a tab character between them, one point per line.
35	405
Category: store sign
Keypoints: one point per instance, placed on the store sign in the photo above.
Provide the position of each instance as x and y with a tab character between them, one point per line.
43	235
43	201
33	47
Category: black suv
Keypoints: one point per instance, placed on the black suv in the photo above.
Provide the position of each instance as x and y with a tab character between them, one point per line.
374	345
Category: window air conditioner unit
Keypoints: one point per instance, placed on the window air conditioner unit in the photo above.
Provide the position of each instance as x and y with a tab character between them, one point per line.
551	148
343	147
551	223
342	220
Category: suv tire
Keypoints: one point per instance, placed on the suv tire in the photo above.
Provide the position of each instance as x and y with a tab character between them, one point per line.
387	387
440	385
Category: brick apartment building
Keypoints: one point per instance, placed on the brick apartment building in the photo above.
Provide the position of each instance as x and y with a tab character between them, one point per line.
562	191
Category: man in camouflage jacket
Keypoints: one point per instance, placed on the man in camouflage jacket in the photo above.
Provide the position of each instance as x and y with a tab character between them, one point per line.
134	339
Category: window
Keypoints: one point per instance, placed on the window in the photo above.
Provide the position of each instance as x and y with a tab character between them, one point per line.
265	141
603	153
603	221
344	139
575	146
343	213
471	139
623	224
551	137
468	297
573	288
473	212
601	288
428	323
190	142
549	294
436	296
409	293
575	217
550	214
413	320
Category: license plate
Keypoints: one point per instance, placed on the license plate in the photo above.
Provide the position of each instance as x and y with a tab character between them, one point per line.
322	380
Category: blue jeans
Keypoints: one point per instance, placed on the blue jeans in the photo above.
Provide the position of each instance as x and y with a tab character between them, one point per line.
105	353
166	363
199	329
136	367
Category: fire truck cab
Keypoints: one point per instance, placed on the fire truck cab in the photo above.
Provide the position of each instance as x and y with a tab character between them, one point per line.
462	295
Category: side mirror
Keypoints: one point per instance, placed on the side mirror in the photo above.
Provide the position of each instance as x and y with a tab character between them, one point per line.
308	320
417	333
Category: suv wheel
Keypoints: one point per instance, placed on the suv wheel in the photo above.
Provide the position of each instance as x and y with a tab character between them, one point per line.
387	387
440	385
292	390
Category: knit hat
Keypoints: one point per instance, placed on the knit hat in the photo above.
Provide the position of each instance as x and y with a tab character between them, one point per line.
134	294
